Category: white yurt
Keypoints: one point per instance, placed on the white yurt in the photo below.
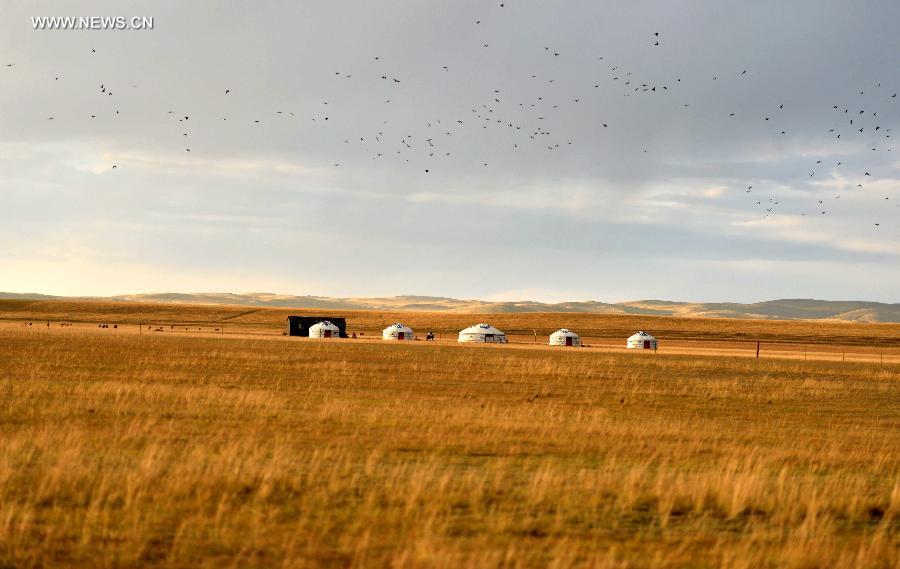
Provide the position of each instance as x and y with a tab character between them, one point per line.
397	331
565	337
483	333
324	329
641	341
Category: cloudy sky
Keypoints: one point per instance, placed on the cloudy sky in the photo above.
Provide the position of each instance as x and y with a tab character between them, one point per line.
543	150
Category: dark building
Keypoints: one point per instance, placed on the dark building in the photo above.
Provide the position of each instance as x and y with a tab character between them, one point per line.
299	325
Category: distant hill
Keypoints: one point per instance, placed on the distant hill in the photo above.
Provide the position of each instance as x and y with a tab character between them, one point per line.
787	309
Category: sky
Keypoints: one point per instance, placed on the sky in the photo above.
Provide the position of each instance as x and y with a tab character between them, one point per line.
542	150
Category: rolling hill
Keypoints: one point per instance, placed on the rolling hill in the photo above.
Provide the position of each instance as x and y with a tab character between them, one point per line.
785	309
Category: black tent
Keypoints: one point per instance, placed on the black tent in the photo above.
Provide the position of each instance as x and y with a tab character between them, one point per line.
299	325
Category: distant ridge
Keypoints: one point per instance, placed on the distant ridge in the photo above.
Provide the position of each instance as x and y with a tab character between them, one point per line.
785	309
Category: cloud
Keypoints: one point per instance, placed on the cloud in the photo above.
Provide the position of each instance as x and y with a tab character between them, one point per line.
624	186
82	275
795	229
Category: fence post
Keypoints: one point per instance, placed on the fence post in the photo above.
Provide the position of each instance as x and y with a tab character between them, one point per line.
757	348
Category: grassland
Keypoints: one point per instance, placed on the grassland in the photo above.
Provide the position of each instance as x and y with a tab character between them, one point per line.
248	319
250	449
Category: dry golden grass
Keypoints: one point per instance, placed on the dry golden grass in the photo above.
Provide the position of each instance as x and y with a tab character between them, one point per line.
796	339
618	327
177	450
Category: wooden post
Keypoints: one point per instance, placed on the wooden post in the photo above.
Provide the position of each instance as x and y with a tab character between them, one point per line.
757	348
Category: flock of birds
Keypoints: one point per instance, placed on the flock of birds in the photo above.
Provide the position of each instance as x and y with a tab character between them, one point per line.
528	121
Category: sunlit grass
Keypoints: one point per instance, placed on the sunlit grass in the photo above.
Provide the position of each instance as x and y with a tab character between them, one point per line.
127	450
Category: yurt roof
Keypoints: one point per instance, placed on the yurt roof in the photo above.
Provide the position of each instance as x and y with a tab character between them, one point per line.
481	329
564	332
324	324
398	327
641	336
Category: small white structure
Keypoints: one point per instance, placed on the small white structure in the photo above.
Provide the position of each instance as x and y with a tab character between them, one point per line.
482	333
641	341
565	337
397	331
324	329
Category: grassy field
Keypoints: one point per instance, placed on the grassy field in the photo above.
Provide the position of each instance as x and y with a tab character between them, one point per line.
251	449
797	339
272	320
